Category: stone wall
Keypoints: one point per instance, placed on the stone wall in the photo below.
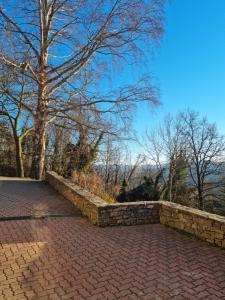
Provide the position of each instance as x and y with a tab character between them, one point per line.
206	226
100	212
85	201
132	213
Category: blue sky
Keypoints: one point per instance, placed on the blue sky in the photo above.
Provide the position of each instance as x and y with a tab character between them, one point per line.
190	63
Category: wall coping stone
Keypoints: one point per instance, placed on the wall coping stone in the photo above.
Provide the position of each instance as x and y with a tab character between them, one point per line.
195	211
99	202
204	225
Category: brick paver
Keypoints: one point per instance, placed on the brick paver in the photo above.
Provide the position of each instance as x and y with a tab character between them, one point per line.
28	197
68	258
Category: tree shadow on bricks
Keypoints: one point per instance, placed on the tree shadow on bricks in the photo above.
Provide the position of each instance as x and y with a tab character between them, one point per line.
68	258
30	198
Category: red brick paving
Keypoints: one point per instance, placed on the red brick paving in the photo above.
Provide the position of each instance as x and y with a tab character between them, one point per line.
31	198
68	258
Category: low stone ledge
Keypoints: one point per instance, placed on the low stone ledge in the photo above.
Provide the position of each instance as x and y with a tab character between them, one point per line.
82	199
204	225
132	213
100	212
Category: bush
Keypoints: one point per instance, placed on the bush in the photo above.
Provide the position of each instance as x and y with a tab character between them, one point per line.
93	183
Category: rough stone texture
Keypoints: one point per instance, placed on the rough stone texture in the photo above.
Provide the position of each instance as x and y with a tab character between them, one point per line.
206	226
132	213
82	199
100	212
68	258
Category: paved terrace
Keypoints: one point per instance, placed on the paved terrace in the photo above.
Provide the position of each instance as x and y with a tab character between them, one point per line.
31	198
68	258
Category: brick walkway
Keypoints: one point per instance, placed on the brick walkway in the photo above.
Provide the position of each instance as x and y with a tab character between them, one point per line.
26	197
68	258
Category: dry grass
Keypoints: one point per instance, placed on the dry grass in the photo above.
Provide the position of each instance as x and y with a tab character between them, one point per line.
93	183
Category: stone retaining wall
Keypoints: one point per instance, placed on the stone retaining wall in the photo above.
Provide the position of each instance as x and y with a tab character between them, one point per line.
85	201
206	226
132	213
100	212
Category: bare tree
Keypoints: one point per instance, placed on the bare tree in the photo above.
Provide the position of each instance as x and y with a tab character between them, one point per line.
59	136
84	152
205	152
109	162
13	98
164	147
58	43
189	151
139	161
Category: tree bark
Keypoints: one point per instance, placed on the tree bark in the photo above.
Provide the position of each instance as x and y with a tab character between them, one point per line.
200	198
41	123
19	157
38	161
40	132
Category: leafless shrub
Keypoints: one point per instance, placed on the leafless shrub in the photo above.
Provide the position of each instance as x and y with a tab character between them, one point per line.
93	183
